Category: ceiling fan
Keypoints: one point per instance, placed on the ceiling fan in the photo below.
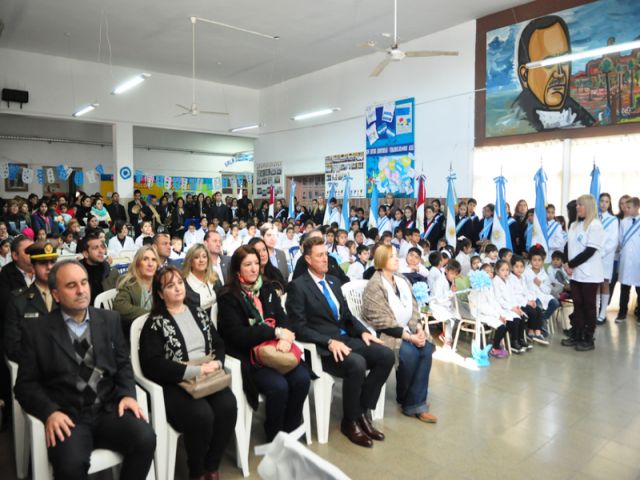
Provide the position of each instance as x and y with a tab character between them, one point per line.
394	54
193	109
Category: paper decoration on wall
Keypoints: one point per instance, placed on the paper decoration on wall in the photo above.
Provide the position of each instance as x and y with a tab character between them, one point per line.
13	171
51	178
78	178
100	169
138	176
40	175
27	175
167	183
183	184
148	179
91	176
4	171
159	180
63	172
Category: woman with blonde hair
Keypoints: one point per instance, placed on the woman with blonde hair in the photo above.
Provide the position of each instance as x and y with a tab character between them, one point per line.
200	278
134	296
389	306
586	239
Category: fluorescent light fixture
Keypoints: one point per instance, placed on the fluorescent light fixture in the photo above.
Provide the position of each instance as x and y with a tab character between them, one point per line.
596	52
242	129
318	113
86	109
129	84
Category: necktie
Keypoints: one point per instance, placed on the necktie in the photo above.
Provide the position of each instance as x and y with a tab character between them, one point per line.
47	299
327	296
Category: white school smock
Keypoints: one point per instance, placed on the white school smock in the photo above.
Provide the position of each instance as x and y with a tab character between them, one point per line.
464	260
505	297
520	289
485	308
579	239
557	240
611	226
542	292
441	301
630	252
115	247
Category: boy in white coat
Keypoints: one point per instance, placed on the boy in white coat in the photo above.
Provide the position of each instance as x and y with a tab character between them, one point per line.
509	303
486	309
442	291
539	284
527	301
629	273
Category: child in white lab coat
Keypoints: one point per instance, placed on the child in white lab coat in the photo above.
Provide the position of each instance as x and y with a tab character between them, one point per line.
509	303
527	301
442	291
539	283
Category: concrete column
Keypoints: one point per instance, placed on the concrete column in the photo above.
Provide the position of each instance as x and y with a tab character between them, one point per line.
123	159
566	176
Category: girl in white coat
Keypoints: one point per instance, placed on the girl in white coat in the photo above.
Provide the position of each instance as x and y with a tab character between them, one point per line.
539	283
611	226
527	301
509	303
442	291
629	241
486	309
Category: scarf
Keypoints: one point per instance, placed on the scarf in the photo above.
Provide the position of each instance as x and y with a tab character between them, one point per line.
251	295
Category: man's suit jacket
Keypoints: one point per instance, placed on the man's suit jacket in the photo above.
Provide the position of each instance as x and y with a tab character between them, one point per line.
302	267
221	212
311	317
10	279
117	212
283	264
48	368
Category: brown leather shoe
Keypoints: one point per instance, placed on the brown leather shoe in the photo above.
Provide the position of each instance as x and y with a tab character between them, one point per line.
369	429
353	432
427	417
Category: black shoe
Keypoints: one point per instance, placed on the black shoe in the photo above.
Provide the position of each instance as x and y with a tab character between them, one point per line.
569	342
567	331
601	321
621	318
585	346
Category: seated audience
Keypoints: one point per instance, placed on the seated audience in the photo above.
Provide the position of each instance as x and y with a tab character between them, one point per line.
200	278
101	276
121	240
267	270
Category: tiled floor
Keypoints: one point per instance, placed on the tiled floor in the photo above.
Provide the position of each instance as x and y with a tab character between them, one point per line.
552	413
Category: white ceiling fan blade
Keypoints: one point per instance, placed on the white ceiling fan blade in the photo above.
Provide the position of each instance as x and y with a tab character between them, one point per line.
369	44
239	29
431	53
182	114
381	66
213	113
183	107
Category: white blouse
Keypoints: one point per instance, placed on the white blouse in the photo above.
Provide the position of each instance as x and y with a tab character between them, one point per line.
401	305
205	290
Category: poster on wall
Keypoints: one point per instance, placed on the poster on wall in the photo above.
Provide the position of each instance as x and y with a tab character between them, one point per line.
268	174
338	166
155	185
580	93
390	137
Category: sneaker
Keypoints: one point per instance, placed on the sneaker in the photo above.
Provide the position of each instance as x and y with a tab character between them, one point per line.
498	353
521	348
527	345
530	336
601	321
621	318
540	339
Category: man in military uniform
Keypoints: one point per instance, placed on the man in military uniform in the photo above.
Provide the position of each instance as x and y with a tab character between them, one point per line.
30	302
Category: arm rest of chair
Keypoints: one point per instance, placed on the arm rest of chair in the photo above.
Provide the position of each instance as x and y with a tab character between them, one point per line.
314	356
38	443
233	366
143	400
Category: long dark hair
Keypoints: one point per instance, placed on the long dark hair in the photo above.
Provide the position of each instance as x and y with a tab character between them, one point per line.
270	273
159	307
233	285
610	209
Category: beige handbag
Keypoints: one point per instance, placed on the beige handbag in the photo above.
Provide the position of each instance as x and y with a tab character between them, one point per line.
205	385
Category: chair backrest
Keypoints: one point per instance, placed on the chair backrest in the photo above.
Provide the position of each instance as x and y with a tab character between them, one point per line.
213	313
105	299
136	328
353	293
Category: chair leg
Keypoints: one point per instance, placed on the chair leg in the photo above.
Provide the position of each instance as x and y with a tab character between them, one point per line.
455	339
322	396
306	418
21	440
508	343
378	413
172	450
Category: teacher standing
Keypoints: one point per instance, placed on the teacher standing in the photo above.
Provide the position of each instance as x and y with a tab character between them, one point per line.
584	251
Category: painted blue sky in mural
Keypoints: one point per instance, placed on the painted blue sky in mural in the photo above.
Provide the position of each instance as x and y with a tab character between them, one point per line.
590	26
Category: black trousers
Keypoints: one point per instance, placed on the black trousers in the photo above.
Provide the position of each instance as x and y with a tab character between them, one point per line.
625	291
534	320
360	391
583	318
207	425
284	397
498	335
133	438
515	328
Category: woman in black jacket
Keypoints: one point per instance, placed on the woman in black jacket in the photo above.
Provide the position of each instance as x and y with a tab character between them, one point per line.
178	217
246	306
267	270
175	333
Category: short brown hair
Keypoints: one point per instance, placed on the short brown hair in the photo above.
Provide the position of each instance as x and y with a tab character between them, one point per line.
311	242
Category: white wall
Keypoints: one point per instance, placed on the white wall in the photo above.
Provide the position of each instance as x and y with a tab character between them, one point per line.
58	86
443	91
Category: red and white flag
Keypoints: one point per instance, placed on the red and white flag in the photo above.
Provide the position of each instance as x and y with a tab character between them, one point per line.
420	204
272	201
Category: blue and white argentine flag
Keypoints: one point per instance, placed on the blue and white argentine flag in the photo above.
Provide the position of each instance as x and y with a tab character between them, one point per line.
594	187
344	218
452	201
327	210
373	209
540	233
500	235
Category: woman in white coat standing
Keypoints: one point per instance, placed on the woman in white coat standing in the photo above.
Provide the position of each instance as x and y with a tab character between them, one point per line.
611	226
629	268
586	239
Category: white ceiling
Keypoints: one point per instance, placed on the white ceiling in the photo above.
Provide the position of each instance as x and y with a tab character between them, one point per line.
155	35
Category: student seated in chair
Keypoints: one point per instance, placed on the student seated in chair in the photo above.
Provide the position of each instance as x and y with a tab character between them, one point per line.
319	314
75	376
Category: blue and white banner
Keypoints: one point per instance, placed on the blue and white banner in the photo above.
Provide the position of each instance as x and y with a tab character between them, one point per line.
452	202
344	218
594	188
292	200
539	233
333	185
500	235
373	209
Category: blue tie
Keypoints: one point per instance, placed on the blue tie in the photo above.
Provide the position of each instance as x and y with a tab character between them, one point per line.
327	295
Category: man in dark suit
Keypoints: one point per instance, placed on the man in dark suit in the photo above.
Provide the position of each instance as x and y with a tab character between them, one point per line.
75	376
133	209
302	266
116	211
102	276
319	314
219	210
16	275
31	302
213	242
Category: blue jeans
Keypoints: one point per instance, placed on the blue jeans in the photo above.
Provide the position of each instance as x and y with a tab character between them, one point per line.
412	377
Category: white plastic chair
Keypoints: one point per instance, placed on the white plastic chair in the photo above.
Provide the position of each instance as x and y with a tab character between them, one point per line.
353	292
20	433
105	299
245	412
101	458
